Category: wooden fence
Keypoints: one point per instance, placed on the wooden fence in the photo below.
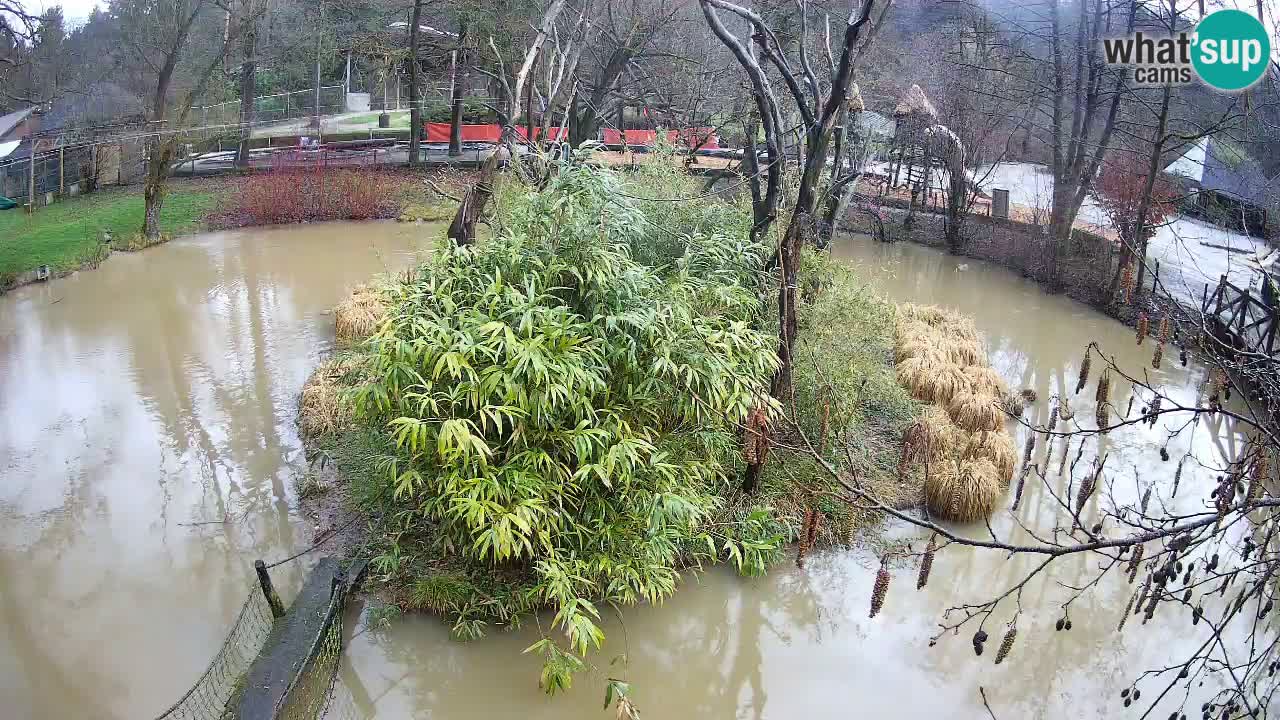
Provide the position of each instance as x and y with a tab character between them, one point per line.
1248	322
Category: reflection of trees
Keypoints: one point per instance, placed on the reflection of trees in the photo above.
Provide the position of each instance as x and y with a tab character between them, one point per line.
185	362
700	654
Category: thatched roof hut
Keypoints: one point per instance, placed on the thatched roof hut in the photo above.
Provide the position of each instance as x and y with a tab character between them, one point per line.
915	105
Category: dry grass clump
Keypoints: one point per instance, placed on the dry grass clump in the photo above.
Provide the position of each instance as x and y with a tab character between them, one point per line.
358	317
976	412
324	410
930	379
967	492
996	448
986	381
933	436
961	436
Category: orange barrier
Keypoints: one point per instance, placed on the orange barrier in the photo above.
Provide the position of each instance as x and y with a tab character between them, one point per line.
689	137
491	133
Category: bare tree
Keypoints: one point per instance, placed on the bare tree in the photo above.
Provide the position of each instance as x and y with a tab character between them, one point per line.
1080	133
463	228
249	11
18	30
156	34
819	107
415	105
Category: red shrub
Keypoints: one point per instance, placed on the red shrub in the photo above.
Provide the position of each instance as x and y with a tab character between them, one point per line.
1119	192
313	195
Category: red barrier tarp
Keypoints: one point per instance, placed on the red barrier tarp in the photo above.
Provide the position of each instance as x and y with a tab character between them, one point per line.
688	137
492	133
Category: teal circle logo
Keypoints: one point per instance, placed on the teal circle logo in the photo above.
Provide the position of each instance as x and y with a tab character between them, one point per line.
1231	50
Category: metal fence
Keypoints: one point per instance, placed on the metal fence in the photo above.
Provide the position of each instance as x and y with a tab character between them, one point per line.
274	108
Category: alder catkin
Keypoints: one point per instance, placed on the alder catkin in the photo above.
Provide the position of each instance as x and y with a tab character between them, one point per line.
1257	479
1127	609
1134	562
1086	489
1103	394
1006	644
1163	334
881	587
1143	326
1157	356
1022	484
926	562
1084	371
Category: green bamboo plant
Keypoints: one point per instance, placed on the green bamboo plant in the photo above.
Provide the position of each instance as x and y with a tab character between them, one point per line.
561	417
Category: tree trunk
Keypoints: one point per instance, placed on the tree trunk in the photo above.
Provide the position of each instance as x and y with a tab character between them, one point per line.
154	188
415	107
455	100
248	86
463	228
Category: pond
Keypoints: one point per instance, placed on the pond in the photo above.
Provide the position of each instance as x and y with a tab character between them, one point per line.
150	454
798	643
137	401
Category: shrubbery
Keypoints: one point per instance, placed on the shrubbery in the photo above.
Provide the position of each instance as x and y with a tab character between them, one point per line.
290	196
556	422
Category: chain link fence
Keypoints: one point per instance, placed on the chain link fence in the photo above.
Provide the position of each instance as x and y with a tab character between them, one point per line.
274	108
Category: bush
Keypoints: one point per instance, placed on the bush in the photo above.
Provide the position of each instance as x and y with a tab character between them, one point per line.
559	419
290	196
474	112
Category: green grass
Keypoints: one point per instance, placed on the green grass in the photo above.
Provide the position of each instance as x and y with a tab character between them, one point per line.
399	119
844	372
64	234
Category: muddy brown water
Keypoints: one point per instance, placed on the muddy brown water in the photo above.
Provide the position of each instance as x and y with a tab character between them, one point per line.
160	391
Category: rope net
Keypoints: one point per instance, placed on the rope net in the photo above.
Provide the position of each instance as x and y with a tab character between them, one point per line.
209	697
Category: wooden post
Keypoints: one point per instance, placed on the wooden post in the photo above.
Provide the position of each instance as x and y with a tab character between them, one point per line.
31	180
269	590
62	171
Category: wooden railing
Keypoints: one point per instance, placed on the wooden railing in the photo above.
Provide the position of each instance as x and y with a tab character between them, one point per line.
1250	323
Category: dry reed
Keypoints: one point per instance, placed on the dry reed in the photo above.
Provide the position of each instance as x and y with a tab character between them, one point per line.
961	434
966	493
358	316
996	448
975	413
324	410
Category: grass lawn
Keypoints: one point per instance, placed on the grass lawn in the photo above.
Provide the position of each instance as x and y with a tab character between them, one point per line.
369	121
64	235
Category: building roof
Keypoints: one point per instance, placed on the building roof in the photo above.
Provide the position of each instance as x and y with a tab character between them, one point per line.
869	122
8	122
1220	167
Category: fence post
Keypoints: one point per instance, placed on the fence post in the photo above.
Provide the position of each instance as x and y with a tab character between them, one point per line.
268	589
31	180
62	171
